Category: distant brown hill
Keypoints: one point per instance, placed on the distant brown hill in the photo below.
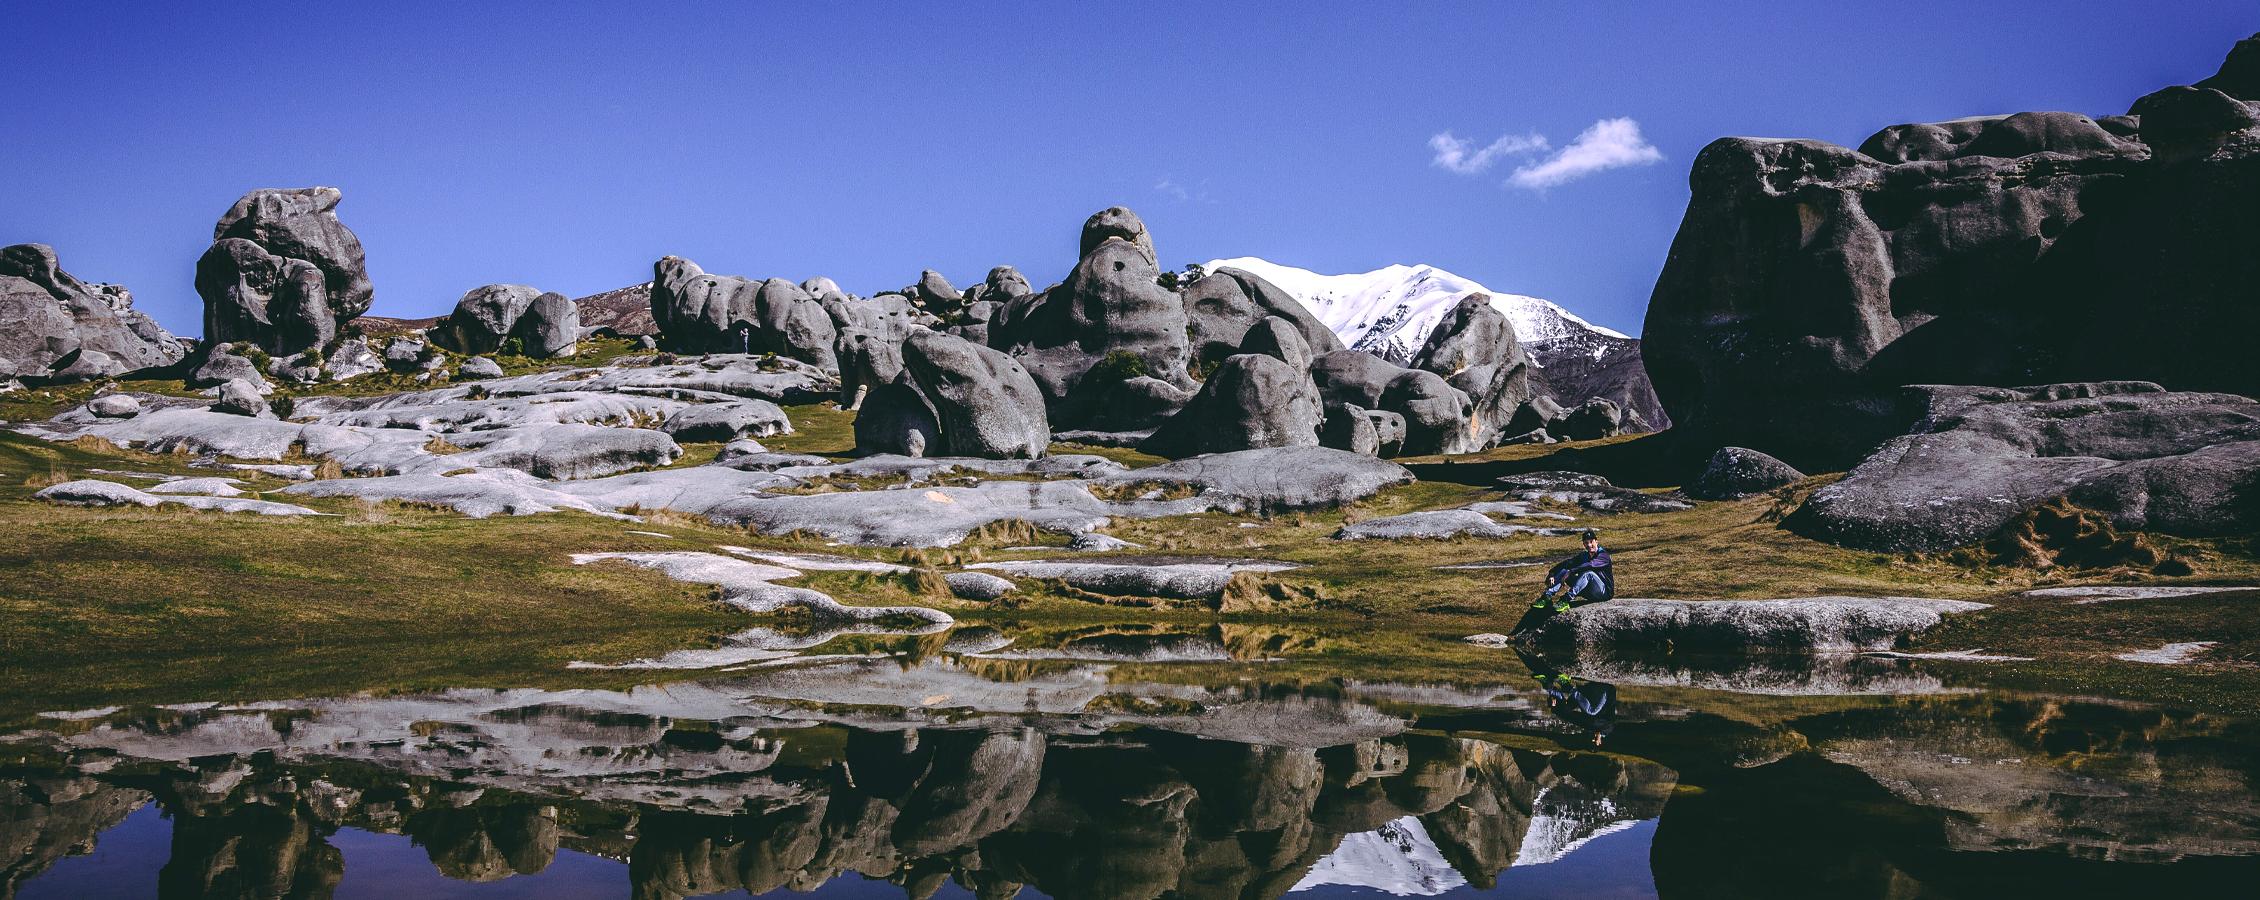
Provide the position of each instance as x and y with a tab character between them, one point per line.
624	310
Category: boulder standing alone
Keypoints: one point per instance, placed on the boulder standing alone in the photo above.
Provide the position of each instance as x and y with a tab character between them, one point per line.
282	272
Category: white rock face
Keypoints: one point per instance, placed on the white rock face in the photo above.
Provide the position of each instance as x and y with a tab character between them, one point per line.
1390	311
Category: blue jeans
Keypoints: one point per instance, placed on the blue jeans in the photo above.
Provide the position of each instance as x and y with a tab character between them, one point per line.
1589	586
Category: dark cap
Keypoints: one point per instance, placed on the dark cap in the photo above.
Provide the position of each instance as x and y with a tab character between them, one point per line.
1591	535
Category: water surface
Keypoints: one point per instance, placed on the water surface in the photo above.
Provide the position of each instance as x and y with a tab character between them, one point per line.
1160	764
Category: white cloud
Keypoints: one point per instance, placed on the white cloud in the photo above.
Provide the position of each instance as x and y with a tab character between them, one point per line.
1458	154
1171	188
1609	144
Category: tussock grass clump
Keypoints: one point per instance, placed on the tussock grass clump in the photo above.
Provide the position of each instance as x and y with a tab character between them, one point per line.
2061	534
440	446
1142	490
1005	532
926	582
327	469
1253	592
51	479
93	444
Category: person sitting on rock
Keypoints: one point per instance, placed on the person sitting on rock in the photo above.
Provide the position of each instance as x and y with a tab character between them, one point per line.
1587	576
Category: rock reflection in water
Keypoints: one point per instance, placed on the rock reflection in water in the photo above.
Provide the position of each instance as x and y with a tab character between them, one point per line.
1140	813
1067	777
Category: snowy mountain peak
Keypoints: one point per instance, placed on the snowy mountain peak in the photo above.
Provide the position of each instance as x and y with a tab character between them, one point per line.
1390	311
1399	858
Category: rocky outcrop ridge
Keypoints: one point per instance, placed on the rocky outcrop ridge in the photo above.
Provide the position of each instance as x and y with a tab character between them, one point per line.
1810	281
56	327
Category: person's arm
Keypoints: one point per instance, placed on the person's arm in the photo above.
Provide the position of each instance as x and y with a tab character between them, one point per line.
1600	559
1560	570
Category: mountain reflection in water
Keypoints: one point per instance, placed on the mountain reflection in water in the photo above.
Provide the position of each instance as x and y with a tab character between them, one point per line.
964	775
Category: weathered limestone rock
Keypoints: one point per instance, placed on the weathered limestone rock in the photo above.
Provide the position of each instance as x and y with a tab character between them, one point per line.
282	272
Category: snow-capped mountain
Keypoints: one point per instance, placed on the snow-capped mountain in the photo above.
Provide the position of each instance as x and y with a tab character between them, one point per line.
1565	817
1390	311
1398	858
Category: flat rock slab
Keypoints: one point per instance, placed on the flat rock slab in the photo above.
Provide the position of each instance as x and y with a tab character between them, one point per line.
918	517
208	487
1810	625
1437	524
2104	593
89	492
2177	654
919	470
1176	578
1774	675
1592	492
978	586
477	494
1277	478
817	562
751	586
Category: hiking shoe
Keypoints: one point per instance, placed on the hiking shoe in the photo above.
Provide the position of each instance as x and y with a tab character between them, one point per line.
1561	606
1541	603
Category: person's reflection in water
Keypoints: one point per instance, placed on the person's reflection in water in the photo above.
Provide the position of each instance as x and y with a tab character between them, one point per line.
1587	704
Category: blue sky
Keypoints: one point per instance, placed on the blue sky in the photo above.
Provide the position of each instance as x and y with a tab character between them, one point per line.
568	145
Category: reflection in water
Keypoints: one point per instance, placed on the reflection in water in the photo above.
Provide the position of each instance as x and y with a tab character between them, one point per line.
1031	775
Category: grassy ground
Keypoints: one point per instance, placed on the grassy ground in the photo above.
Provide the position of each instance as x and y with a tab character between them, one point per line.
99	604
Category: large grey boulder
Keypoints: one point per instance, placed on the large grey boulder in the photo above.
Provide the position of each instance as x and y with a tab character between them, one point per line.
1590	421
544	325
551	327
1809	282
54	326
935	294
352	358
114	406
1222	306
727	421
1812	625
1273	479
1252	401
1111	312
282	272
1736	472
240	398
221	365
701	313
2178	462
954	397
484	318
1370	432
1436	414
1474	348
1116	223
477	368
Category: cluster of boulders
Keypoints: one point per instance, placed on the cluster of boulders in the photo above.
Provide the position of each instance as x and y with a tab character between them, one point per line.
1118	354
511	317
56	328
